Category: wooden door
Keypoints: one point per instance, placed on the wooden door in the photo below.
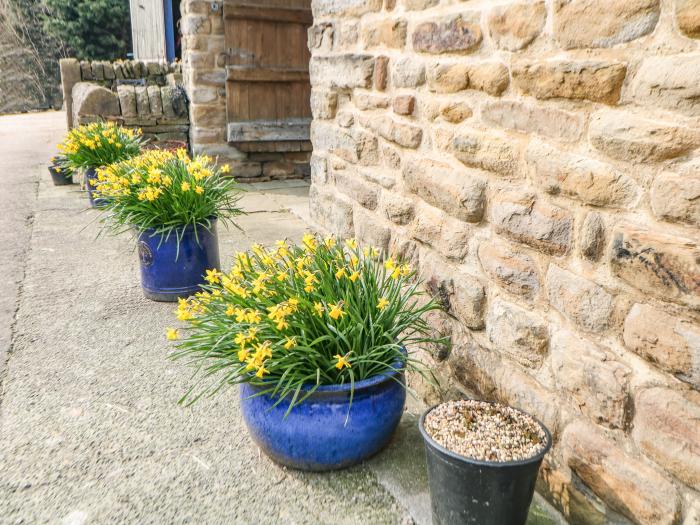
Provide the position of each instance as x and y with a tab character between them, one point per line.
267	83
148	29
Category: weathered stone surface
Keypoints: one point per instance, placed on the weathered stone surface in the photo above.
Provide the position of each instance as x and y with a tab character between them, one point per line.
371	230
629	137
345	33
365	101
418	5
332	212
547	122
662	265
354	146
578	80
448	236
321	8
154	101
407	72
143	105
320	36
515	271
127	100
366	194
91	100
458	293
324	103
629	485
455	35
688	17
381	73
579	177
440	185
404	104
584	302
448	78
342	71
667	429
597	383
671	343
521	217
592	236
396	208
319	169
487	151
491	77
603	23
455	112
676	197
205	115
406	135
385	32
515	26
517	333
669	82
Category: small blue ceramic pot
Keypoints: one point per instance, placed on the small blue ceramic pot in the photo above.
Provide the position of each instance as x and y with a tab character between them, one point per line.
91	175
169	272
315	436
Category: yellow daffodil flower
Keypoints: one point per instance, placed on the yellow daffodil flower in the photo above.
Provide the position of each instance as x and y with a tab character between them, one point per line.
172	334
290	343
383	303
336	311
342	362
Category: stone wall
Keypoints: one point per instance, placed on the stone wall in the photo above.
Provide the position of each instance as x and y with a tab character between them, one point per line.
204	70
536	160
141	95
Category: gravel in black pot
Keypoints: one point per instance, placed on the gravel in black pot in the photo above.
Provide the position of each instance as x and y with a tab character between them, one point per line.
483	461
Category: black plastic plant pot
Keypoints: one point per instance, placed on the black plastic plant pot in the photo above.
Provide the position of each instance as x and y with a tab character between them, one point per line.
60	176
464	490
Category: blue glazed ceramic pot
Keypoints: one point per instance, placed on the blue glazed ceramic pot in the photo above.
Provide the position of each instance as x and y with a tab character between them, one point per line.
167	272
315	436
91	175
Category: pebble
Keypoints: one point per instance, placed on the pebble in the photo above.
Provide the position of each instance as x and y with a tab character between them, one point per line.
485	431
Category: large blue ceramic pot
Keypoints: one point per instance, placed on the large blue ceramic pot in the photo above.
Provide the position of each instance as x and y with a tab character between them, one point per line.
90	180
315	435
168	271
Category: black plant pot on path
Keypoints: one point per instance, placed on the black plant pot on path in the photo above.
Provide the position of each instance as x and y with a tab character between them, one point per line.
463	490
60	176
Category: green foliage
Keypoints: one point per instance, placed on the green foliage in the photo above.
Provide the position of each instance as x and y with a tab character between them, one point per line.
298	317
90	29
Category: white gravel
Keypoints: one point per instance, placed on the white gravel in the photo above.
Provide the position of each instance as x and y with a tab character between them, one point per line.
485	431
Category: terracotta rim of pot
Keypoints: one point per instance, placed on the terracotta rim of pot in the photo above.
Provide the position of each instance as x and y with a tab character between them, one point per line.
493	464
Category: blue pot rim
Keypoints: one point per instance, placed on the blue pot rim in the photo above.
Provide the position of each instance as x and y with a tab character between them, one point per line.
151	232
479	462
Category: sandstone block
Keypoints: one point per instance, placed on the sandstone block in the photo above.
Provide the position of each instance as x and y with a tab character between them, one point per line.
662	265
319	169
603	23
154	101
406	135
629	485
324	103
676	197
320	36
195	25
577	80
521	217
371	230
448	78
487	151
386	32
671	343
455	112
331	211
342	71
396	208
127	100
515	26
448	236
584	302
597	383
346	33
381	73
592	236
517	333
455	35
490	77
143	104
440	185
365	101
513	270
688	17
404	104
626	136
278	169
206	115
407	72
418	5
667	429
547	122
579	177
354	146
669	82
356	188
91	100
322	8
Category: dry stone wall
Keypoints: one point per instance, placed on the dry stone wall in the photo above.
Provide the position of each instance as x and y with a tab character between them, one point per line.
538	162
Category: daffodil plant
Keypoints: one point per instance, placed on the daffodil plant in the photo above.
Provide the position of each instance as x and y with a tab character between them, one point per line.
295	317
99	144
165	192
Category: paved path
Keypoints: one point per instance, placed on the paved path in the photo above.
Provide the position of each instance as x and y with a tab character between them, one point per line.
90	431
